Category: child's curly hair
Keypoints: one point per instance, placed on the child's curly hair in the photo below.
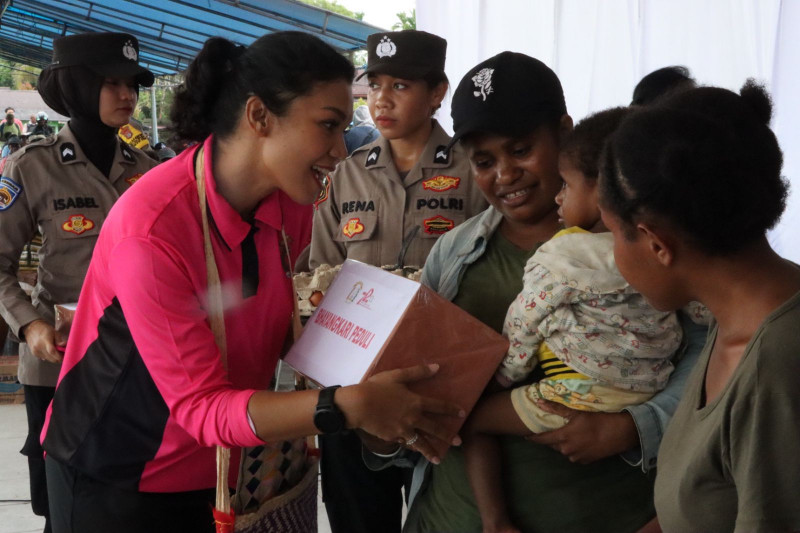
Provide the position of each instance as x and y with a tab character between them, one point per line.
584	145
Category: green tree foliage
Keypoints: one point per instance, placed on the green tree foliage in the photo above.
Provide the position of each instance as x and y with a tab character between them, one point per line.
336	7
165	94
6	78
407	21
18	75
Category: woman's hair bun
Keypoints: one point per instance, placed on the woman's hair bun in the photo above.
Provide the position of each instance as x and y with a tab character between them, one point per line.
757	98
277	68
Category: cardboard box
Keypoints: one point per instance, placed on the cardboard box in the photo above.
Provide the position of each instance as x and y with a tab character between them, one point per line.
11	391
9	364
371	321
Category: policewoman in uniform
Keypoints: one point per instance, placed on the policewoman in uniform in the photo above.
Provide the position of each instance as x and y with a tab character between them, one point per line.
403	188
406	179
64	187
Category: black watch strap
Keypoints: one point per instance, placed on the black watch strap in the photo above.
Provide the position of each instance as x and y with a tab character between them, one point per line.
326	397
328	418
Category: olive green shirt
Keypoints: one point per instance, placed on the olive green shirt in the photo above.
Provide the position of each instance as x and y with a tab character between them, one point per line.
732	464
547	492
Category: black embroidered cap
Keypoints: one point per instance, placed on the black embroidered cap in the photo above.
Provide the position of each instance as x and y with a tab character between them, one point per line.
107	54
510	94
410	54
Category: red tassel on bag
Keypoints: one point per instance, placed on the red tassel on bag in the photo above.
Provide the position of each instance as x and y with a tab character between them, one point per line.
224	521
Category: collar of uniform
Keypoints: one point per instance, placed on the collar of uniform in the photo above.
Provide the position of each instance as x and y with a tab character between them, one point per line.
229	223
125	153
437	142
384	154
67	141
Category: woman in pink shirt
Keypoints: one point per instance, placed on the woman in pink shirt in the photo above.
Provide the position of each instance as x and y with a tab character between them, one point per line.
144	396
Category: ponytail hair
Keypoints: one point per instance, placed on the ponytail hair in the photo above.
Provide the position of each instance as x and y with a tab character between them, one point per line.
277	68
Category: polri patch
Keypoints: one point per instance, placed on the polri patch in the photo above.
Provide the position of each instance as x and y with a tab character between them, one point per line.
441	155
134	179
77	224
373	156
437	225
67	151
441	183
9	190
353	228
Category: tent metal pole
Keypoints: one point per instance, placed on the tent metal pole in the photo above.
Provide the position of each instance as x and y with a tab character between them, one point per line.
153	113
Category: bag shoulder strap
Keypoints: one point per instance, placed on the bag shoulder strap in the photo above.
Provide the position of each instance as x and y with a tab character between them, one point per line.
216	319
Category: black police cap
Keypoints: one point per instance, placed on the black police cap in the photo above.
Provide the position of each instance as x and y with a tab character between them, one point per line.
409	54
510	94
114	55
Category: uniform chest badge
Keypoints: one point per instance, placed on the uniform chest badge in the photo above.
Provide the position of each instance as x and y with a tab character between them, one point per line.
386	48
353	227
437	225
134	179
67	152
77	224
9	190
441	155
441	183
372	156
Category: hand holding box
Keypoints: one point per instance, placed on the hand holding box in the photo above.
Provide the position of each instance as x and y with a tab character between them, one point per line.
371	321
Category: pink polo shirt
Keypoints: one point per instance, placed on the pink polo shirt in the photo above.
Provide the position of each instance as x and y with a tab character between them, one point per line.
143	397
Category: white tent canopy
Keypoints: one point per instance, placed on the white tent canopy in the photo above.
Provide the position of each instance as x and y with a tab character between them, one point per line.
600	49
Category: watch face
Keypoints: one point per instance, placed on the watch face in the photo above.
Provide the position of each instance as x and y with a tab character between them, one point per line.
328	420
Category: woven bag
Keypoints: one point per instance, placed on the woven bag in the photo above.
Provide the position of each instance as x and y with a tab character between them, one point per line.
277	485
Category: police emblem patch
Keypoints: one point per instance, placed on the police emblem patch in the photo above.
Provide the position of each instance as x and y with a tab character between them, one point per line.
441	183
372	156
9	190
77	224
437	225
134	179
67	151
442	155
386	48
353	227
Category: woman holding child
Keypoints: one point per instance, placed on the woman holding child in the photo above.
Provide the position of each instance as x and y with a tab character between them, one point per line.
513	142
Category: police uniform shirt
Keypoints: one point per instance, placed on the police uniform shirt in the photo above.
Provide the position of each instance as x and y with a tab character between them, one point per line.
51	186
368	209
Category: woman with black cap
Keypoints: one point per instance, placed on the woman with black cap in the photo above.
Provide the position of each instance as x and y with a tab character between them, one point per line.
64	187
510	114
387	204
